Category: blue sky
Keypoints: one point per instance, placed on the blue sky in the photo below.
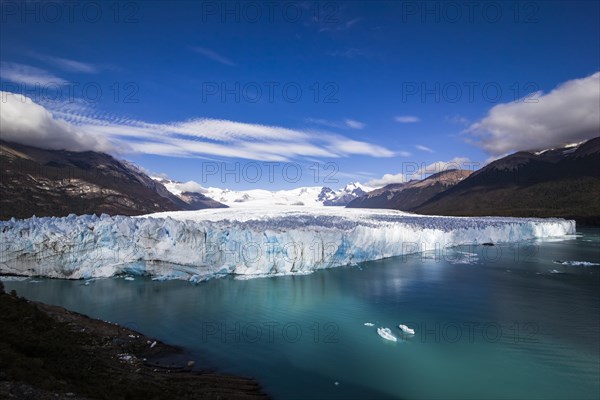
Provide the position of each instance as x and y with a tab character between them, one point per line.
356	89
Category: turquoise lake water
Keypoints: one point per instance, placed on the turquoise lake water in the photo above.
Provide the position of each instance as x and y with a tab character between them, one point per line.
504	322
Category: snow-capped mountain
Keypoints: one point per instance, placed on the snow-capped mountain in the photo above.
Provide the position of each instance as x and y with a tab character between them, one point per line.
311	196
347	194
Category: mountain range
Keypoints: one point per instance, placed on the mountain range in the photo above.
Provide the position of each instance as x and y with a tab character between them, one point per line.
561	182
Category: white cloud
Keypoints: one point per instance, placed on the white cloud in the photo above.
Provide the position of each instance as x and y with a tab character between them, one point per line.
28	75
415	170
25	122
351	123
76	127
405	119
213	55
387	179
424	148
569	113
189	186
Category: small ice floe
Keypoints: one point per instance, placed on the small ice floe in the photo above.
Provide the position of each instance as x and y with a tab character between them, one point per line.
34	281
555	271
132	336
153	344
129	278
336	383
369	324
575	263
386	333
406	329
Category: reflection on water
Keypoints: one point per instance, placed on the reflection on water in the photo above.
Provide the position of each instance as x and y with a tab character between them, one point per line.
507	321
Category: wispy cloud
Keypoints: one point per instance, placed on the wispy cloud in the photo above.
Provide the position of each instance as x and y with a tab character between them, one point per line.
347	123
337	24
67	64
567	114
324	122
351	53
346	146
354	124
213	55
80	128
424	148
405	119
351	23
459	120
28	75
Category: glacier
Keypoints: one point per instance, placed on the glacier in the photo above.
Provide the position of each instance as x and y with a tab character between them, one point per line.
198	245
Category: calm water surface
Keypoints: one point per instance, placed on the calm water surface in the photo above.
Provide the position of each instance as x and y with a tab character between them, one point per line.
504	322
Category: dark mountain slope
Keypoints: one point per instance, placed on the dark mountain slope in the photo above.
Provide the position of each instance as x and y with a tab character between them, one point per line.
406	196
41	182
561	182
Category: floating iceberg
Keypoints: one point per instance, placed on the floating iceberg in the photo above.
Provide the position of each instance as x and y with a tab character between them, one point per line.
406	329
369	324
386	333
198	245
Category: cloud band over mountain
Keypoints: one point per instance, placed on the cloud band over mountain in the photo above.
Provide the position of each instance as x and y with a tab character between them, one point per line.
72	128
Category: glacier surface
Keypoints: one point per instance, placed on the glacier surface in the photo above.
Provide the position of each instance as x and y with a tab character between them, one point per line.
197	245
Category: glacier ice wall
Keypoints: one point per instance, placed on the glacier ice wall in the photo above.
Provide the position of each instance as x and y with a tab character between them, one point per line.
197	245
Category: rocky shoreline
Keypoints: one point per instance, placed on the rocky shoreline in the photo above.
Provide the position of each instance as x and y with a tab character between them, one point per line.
48	352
